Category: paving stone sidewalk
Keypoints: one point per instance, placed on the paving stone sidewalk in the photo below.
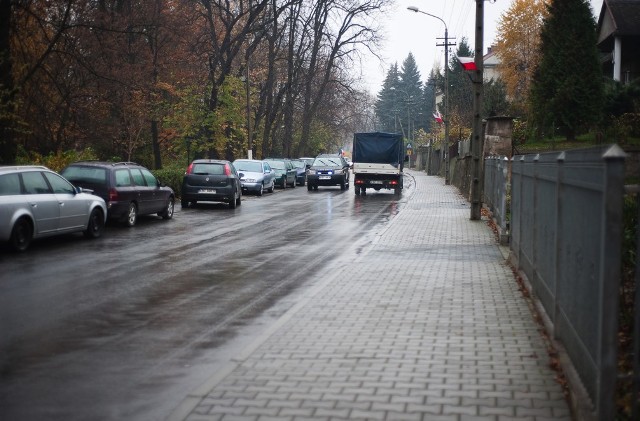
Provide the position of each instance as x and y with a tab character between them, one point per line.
426	324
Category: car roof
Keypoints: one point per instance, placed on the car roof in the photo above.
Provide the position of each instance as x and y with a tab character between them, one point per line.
97	163
209	161
21	168
247	160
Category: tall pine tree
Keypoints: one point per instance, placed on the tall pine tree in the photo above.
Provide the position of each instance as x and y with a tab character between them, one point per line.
567	87
386	107
409	95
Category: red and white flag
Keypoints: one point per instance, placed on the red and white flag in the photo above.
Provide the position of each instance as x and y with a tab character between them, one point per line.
437	116
468	63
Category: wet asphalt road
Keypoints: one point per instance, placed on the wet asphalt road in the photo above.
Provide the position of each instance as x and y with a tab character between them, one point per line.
124	327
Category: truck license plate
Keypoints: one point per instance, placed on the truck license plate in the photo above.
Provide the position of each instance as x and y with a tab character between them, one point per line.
376	182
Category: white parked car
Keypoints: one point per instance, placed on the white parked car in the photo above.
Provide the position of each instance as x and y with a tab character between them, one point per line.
36	202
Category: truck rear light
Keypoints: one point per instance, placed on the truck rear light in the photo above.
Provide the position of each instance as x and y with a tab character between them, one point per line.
359	182
394	182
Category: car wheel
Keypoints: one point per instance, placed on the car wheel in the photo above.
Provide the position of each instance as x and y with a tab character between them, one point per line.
96	224
293	185
315	187
184	203
21	235
284	183
132	215
167	213
233	203
239	199
357	190
261	190
342	185
273	186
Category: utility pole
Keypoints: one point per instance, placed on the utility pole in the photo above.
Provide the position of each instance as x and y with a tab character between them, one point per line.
477	141
446	102
248	95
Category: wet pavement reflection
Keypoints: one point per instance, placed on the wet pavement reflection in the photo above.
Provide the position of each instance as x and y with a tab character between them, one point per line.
125	326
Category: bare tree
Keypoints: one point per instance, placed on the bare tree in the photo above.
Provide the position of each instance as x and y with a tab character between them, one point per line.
338	28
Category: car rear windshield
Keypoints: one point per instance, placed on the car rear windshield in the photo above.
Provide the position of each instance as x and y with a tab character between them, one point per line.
208	168
248	166
88	175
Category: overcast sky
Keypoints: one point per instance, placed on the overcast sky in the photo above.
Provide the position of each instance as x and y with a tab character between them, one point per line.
406	31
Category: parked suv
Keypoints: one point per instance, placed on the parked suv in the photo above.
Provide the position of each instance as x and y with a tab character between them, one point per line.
36	202
129	189
211	180
328	170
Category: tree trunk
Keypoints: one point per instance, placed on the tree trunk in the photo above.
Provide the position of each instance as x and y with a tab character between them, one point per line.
7	145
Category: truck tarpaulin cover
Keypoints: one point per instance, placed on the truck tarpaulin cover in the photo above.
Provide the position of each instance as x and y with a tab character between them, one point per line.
379	148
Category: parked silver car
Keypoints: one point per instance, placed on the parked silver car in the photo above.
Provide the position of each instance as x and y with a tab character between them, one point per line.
255	176
36	202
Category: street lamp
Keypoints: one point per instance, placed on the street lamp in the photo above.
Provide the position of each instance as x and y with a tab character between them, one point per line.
446	90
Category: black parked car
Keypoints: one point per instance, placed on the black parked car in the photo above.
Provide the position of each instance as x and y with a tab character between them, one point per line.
328	170
129	189
211	180
301	171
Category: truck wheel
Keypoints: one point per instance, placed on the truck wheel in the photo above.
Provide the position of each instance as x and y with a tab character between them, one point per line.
396	191
357	190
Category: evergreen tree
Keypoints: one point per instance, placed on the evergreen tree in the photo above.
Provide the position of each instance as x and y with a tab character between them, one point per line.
460	89
495	99
567	87
385	106
409	95
428	102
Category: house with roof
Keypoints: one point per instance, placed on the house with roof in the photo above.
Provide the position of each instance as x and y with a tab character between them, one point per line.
618	39
490	63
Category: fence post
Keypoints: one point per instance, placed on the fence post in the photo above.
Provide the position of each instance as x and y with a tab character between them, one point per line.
610	253
559	227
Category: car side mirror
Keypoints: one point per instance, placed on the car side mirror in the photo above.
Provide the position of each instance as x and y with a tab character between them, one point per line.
240	174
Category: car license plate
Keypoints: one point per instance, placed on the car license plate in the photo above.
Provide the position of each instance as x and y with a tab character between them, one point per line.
325	177
376	182
207	191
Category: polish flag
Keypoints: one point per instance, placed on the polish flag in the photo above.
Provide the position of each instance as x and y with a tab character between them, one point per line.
437	116
468	63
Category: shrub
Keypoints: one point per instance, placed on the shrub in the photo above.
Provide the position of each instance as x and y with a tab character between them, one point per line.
172	177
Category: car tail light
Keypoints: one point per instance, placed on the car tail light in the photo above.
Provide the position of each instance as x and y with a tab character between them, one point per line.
113	195
189	169
227	169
